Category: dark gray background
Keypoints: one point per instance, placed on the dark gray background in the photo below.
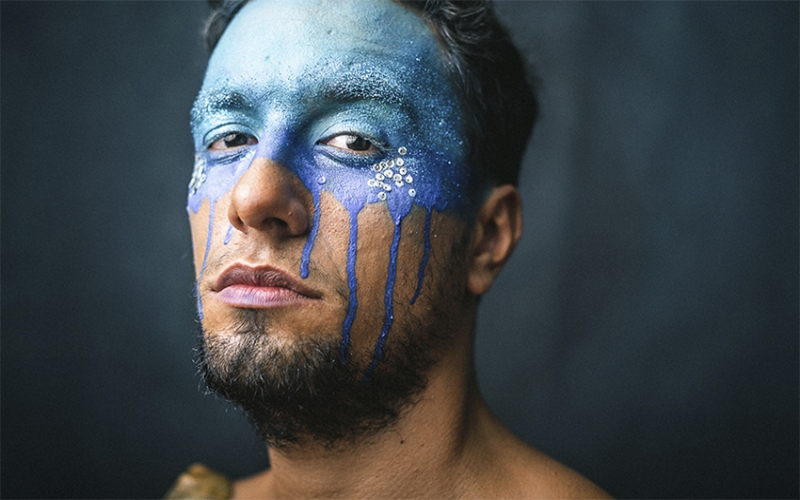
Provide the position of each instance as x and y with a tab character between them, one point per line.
645	332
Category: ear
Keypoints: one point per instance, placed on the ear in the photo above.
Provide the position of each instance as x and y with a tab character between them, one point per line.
498	228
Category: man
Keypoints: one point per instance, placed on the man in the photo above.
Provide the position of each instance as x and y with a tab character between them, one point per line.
352	198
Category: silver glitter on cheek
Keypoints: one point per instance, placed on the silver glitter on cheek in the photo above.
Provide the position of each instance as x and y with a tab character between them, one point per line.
383	173
199	174
322	179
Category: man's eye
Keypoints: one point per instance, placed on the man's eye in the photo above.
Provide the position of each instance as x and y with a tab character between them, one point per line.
352	143
231	141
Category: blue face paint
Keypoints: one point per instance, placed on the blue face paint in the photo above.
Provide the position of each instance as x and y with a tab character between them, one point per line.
293	75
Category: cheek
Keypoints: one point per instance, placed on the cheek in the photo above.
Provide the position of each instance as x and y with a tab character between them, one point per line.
198	222
375	228
329	255
209	236
410	254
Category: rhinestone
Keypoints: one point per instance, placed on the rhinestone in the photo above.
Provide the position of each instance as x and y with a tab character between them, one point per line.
398	183
397	177
390	164
402	150
403	171
383	165
389	174
409	179
412	192
322	179
198	175
376	167
399	162
387	187
382	196
380	177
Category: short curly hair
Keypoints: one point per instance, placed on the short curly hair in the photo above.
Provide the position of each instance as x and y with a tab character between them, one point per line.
495	88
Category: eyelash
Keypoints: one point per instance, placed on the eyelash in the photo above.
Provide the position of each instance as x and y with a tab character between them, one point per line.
224	132
379	145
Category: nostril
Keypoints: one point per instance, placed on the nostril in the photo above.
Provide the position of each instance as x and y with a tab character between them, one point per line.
235	220
275	223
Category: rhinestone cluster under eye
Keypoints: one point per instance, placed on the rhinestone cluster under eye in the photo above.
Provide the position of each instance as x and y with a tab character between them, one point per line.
199	174
392	172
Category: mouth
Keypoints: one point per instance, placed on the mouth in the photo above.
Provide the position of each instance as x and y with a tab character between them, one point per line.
261	287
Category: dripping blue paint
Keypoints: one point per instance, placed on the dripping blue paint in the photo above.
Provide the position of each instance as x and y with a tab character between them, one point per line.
292	97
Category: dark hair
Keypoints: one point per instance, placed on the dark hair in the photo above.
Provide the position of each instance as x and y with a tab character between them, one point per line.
498	102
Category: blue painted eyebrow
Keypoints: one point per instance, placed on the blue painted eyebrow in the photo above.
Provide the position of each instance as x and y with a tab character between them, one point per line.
342	89
219	101
354	88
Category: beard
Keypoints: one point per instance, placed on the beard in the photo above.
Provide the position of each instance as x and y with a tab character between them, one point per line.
302	393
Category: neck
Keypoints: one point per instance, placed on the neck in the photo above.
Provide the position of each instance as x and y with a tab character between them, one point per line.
439	437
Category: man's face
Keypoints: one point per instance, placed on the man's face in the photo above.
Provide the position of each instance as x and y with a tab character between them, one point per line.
329	195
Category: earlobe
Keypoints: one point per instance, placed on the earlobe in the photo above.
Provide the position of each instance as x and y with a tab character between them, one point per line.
498	228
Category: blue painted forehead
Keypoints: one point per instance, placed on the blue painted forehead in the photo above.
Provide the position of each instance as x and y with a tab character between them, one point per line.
291	32
305	53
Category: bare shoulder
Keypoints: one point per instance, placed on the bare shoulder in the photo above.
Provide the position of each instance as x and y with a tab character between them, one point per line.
513	469
540	476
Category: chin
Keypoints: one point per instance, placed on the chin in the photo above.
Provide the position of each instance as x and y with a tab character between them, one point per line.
299	392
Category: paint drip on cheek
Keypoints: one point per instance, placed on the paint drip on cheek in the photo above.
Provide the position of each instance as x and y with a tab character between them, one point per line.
400	179
211	179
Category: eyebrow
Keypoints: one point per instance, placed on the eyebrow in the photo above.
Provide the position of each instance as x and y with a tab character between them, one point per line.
219	101
354	87
342	89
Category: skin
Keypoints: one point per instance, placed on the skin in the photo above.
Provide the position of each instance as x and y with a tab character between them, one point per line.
284	104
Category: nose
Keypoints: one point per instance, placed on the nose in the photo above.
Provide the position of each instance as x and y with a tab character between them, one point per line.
268	197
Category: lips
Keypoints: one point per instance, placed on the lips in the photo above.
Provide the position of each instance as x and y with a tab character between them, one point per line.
260	287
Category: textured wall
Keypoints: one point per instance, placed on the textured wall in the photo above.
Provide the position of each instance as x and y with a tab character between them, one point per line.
645	332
